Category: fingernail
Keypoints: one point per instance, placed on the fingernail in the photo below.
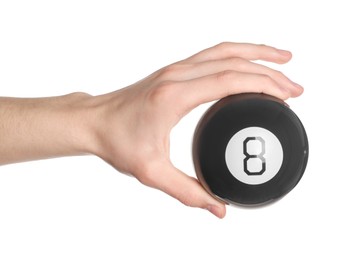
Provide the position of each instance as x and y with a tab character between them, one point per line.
214	210
297	85
284	52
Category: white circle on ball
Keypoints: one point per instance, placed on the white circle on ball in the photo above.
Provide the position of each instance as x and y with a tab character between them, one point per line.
254	155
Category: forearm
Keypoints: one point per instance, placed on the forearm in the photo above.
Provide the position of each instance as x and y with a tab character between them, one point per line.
39	128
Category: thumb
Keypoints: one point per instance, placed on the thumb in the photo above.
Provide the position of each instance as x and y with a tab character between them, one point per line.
184	188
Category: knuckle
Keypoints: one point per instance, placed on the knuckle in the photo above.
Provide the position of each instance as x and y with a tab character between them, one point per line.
172	71
168	71
263	47
278	74
267	80
164	91
226	75
223	45
146	174
237	63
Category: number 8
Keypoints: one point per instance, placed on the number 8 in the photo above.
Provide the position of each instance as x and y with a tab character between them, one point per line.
254	156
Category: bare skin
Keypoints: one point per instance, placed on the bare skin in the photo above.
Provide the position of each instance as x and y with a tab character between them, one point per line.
111	125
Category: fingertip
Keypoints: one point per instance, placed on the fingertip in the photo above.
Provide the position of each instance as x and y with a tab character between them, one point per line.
298	90
284	52
284	56
218	210
188	191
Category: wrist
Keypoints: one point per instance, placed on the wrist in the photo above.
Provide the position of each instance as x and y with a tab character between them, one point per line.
94	121
108	125
84	109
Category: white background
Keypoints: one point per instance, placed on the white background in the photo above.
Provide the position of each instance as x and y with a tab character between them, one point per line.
81	208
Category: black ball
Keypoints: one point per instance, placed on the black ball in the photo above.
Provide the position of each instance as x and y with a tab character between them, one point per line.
249	149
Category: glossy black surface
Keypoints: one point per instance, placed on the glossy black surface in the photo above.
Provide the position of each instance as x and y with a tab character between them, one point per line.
226	118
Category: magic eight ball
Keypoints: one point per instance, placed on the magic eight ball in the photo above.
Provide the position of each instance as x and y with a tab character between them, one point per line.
250	149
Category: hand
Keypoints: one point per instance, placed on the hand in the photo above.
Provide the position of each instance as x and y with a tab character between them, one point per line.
132	125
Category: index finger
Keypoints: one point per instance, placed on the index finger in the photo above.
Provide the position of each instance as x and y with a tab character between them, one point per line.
243	50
